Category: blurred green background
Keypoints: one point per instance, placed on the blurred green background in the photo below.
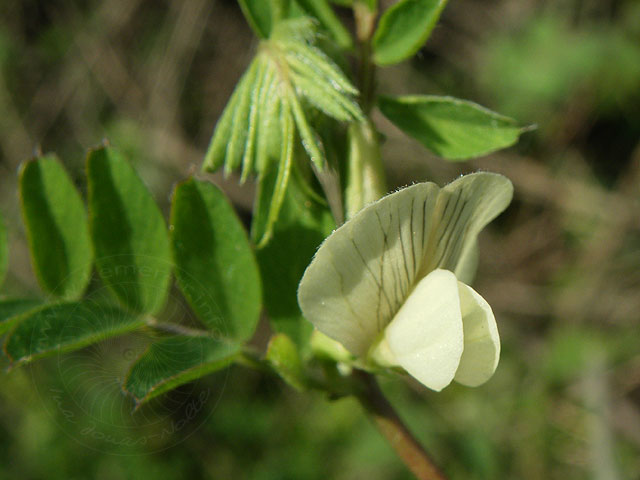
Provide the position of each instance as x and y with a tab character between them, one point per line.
561	268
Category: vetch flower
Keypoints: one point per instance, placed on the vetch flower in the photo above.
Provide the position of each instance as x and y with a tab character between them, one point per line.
388	284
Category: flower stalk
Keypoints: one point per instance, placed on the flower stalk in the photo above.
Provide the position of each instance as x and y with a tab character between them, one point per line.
385	418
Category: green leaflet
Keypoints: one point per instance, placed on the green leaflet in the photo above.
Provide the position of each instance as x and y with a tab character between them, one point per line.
261	207
269	141
283	356
404	28
365	270
282	179
217	152
11	311
4	250
327	100
215	266
451	128
310	139
258	108
129	235
241	116
174	361
57	230
65	327
305	57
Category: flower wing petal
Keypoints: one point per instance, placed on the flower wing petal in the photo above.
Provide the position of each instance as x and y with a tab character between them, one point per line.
426	335
481	341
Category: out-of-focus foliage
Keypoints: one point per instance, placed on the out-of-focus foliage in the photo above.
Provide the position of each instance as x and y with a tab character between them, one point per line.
591	61
575	72
4	250
560	270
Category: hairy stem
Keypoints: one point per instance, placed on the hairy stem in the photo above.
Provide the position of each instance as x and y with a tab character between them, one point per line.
395	431
365	181
365	178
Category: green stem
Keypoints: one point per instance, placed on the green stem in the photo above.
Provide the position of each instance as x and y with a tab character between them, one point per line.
391	426
365	182
365	25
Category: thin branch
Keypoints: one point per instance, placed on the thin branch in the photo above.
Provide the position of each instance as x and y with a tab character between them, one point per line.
397	434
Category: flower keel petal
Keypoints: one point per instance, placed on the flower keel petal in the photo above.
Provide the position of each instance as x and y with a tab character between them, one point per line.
426	335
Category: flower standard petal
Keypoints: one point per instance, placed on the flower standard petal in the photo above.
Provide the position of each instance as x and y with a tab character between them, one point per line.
426	335
364	270
481	341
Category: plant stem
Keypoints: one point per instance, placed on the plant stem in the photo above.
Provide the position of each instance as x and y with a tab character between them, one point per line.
365	182
365	178
397	434
365	23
